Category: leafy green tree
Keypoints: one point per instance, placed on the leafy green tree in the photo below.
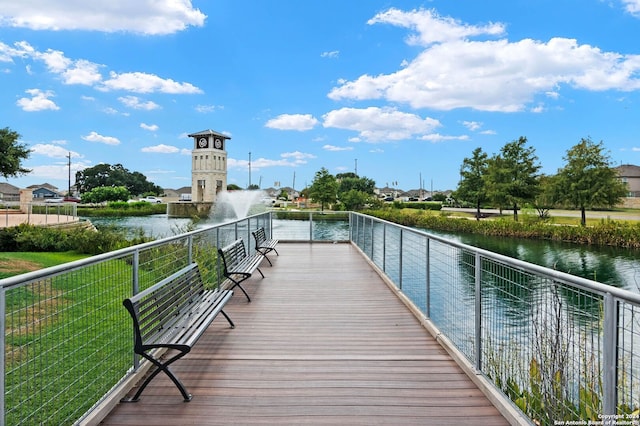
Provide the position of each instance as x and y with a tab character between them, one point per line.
233	187
355	200
12	154
588	179
472	186
547	198
324	188
284	195
115	175
355	192
513	175
106	193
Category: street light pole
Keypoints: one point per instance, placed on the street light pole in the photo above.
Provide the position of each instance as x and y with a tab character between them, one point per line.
249	187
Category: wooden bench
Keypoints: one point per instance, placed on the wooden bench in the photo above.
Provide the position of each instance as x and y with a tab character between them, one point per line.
264	245
173	314
238	265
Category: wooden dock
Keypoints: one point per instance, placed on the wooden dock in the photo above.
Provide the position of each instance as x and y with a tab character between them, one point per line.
323	342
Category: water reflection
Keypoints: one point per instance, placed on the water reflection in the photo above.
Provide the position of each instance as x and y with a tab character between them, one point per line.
608	265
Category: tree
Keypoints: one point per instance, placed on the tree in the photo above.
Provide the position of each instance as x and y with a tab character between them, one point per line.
588	179
355	192
11	154
472	186
106	193
115	175
324	188
547	197
513	175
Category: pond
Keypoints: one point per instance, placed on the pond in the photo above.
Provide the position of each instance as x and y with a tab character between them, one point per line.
609	265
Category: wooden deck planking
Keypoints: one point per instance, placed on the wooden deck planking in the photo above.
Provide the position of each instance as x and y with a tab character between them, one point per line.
324	341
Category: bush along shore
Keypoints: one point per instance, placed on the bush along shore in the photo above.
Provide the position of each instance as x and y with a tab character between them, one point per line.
605	233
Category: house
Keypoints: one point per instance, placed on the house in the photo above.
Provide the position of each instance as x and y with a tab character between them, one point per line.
44	190
9	192
630	175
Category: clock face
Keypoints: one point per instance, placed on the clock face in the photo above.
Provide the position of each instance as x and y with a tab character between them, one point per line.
202	142
218	143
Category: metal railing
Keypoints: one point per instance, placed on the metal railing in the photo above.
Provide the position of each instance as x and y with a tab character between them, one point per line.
67	339
311	226
13	213
562	348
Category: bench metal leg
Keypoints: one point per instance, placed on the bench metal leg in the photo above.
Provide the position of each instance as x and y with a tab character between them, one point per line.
162	367
228	319
236	283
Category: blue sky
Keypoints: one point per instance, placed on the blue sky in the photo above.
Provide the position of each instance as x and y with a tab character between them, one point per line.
402	90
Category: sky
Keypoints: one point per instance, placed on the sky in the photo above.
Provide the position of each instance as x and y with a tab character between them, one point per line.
397	91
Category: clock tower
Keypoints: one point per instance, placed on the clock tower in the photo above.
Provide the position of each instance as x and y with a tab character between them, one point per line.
209	165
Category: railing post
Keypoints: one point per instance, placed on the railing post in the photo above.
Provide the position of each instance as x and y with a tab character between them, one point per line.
478	312
427	272
135	262
384	247
372	238
311	227
400	260
610	355
190	248
3	325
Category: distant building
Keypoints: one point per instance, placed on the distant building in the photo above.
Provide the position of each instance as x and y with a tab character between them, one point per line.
630	175
9	192
45	190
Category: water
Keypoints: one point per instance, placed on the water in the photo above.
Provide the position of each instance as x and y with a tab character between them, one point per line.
614	266
609	265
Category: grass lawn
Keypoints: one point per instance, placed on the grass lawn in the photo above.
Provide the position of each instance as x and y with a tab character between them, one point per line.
15	263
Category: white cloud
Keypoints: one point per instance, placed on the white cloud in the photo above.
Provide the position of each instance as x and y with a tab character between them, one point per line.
141	16
495	75
161	149
39	101
135	102
334	148
300	122
289	159
472	125
632	6
297	156
207	108
150	127
107	140
380	124
433	28
140	82
82	72
436	137
53	150
332	54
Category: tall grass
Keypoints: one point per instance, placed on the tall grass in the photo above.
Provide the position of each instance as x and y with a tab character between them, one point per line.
607	232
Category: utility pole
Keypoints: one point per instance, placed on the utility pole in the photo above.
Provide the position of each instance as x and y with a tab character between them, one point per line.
356	167
249	170
69	158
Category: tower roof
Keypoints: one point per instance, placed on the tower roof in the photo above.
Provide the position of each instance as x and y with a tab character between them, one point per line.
209	132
